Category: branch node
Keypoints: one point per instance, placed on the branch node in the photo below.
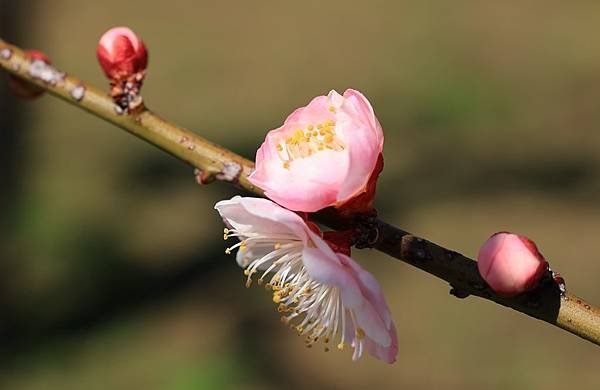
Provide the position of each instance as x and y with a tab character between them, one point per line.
40	70
204	177
560	282
78	92
458	293
230	172
125	92
366	231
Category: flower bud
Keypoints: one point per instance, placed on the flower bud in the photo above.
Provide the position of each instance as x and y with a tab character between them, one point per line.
23	88
511	264
121	53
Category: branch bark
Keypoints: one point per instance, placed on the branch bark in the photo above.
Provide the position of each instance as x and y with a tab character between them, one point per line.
547	303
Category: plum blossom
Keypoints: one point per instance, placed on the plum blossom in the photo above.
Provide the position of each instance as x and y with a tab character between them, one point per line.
322	295
511	264
328	153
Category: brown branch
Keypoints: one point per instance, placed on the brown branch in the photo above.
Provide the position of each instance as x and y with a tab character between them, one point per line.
547	302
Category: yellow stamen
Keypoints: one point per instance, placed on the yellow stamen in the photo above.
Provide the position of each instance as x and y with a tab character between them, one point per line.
360	333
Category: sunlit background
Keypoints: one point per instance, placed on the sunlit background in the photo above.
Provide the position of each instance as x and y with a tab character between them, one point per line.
112	271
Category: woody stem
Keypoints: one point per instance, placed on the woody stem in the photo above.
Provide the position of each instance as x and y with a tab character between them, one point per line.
546	303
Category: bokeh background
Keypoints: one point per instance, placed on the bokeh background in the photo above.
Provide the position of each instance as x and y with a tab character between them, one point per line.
112	272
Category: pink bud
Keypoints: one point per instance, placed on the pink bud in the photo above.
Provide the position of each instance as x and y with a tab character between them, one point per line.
511	264
121	53
25	89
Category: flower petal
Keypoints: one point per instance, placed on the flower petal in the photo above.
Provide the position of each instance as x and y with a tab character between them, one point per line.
260	215
369	288
386	354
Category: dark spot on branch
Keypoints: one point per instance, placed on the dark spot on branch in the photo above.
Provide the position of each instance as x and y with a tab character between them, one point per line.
533	301
366	231
458	293
450	255
477	286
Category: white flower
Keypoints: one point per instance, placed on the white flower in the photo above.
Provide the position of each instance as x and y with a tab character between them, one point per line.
323	295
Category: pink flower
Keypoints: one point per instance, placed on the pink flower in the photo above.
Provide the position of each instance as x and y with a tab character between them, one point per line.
121	53
511	264
325	154
321	294
22	88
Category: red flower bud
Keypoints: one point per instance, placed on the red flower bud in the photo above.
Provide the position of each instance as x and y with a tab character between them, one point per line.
121	53
511	264
25	89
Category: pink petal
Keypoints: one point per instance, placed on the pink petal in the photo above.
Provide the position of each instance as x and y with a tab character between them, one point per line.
369	287
322	267
260	215
362	153
316	111
308	184
386	354
361	104
358	124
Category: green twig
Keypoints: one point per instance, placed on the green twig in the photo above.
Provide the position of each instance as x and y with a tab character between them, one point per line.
547	302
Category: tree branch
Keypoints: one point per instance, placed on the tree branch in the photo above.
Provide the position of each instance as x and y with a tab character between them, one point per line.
547	302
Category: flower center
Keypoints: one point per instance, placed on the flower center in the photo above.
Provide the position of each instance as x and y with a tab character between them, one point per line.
308	141
309	308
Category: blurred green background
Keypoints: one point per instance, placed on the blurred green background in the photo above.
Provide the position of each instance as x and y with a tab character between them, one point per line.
112	272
